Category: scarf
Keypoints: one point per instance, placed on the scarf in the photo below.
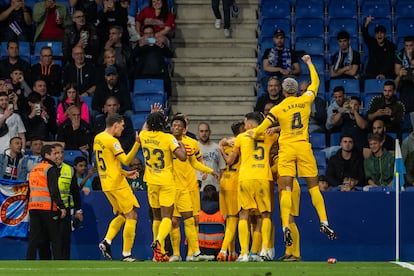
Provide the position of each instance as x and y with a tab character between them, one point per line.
286	58
347	59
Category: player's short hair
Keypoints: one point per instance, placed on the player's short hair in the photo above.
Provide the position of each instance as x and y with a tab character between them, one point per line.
156	122
179	117
112	119
235	127
290	85
79	159
255	116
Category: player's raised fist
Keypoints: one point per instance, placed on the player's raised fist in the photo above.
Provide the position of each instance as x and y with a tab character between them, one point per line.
306	59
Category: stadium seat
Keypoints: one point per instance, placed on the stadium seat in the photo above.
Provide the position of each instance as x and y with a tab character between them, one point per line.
367	100
405	27
376	9
317	140
70	156
24	50
143	102
404	9
374	86
320	159
336	25
309	9
148	86
269	26
342	9
378	21
88	101
275	9
318	62
309	28
350	85
335	139
310	45
138	120
55	45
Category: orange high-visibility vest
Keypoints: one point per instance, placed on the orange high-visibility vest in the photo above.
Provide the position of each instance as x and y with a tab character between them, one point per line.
214	238
40	198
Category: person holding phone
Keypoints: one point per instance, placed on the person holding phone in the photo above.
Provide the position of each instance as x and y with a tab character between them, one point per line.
16	21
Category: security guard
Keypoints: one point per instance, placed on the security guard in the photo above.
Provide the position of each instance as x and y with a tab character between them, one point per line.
45	205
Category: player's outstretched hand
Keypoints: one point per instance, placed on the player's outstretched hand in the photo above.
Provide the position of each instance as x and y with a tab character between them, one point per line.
132	174
157	107
306	59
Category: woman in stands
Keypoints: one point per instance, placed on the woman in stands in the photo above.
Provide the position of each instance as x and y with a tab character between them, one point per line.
71	97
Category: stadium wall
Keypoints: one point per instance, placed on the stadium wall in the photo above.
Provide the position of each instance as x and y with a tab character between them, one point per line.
364	222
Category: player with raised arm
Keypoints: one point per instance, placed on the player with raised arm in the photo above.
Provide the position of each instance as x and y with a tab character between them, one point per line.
295	150
159	149
109	156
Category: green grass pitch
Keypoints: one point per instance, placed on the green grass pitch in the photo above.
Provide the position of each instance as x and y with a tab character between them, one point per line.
76	268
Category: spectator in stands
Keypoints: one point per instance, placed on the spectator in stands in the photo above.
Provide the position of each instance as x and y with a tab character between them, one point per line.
109	59
388	142
37	120
47	102
407	151
14	60
48	71
317	117
149	56
11	124
323	183
226	13
112	106
51	19
379	166
71	97
138	183
90	9
387	108
381	53
267	108
123	53
12	161
83	179
82	34
346	62
113	14
16	22
404	81
20	90
279	61
81	72
112	86
273	95
75	132
346	168
159	16
339	105
34	158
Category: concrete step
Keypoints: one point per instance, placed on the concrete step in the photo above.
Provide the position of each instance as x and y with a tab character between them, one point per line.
214	52
214	90
234	22
249	61
214	70
204	11
213	80
193	31
207	109
221	99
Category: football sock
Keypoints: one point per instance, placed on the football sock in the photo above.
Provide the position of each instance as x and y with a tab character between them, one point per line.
175	237
114	227
163	231
295	248
129	235
318	203
266	232
272	237
256	242
231	224
285	206
244	236
155	228
192	236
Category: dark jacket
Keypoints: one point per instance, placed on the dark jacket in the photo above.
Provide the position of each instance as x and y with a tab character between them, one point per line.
397	112
52	75
74	138
339	168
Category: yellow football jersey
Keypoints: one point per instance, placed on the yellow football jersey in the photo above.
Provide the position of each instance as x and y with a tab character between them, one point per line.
106	148
158	148
255	156
229	177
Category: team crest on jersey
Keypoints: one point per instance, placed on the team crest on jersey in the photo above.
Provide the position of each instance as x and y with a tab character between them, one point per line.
117	146
309	93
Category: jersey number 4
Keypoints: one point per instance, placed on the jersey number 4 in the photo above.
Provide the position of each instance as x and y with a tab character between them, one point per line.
297	121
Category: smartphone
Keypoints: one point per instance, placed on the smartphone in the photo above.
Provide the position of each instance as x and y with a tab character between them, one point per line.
151	40
38	109
11	106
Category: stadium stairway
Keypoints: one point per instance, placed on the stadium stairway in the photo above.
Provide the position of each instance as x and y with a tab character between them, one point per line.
213	76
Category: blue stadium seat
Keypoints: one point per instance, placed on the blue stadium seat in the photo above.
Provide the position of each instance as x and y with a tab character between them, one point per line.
376	9
88	101
335	139
270	25
367	100
343	24
318	140
24	50
321	90
309	28
320	157
143	102
318	62
374	86
55	45
70	156
148	86
311	45
275	9
342	9
309	9
350	85
405	27
404	9
386	22
138	120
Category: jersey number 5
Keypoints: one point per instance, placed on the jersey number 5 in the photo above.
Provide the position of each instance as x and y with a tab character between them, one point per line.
100	160
259	150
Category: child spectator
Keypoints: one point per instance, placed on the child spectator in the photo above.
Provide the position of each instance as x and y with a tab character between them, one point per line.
84	181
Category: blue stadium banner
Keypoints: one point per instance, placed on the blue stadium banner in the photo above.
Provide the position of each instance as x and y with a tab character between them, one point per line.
14	219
